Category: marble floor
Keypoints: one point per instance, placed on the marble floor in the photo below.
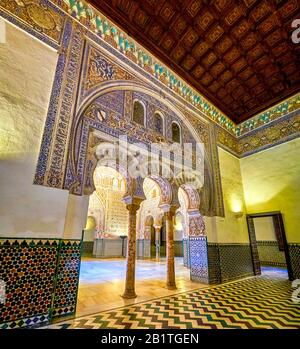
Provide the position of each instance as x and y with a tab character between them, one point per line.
102	283
259	302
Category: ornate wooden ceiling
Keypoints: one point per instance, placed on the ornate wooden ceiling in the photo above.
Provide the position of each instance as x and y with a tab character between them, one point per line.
237	53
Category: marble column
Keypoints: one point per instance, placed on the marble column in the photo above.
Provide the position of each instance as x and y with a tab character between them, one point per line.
157	242
171	284
131	252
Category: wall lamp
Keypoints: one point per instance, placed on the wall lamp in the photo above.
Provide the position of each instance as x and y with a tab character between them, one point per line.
238	215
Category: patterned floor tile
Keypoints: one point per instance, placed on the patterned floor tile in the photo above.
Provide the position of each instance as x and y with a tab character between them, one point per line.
258	302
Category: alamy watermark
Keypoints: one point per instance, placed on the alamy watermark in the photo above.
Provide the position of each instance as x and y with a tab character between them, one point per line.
296	32
178	163
2	291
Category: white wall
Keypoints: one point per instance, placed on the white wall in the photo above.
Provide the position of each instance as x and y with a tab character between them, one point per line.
264	229
230	229
27	69
271	181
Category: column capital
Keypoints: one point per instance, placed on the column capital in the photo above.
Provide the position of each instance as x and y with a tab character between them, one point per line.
170	212
132	208
132	200
169	208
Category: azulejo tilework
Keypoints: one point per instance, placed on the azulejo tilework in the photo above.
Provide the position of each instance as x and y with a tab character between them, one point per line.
41	277
294	251
67	278
198	259
235	261
28	269
262	302
269	253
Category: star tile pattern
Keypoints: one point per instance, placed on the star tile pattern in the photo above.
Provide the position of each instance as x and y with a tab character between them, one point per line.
254	303
239	54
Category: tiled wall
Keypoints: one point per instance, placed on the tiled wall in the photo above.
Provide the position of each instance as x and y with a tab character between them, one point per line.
198	259
41	279
67	278
215	263
294	251
269	253
235	261
186	252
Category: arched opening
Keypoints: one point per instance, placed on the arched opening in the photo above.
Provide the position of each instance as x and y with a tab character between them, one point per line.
148	216
163	244
153	273
150	231
109	192
176	132
158	123
183	219
102	272
178	233
139	113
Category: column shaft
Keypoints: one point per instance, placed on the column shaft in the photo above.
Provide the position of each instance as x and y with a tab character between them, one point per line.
131	253
157	242
171	284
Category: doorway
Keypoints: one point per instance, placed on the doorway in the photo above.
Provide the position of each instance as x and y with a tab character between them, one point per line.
268	243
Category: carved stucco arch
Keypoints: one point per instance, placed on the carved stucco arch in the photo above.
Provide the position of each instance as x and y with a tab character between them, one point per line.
164	189
149	220
193	197
111	86
158	220
93	157
119	85
196	223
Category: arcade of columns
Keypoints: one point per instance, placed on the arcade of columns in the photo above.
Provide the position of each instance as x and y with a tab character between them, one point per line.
133	205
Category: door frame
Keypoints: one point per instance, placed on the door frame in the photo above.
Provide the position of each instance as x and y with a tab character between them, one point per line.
278	224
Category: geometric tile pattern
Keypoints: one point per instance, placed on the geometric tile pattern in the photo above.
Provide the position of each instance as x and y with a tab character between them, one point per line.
214	263
269	254
261	302
198	259
186	253
67	278
294	252
41	277
28	269
235	261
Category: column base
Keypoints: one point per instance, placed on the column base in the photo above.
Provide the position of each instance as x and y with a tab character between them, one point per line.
129	295
171	287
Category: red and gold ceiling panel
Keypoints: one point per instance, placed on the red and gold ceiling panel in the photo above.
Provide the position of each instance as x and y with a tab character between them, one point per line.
239	54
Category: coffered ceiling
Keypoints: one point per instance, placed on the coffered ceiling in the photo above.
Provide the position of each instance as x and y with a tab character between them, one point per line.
237	53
